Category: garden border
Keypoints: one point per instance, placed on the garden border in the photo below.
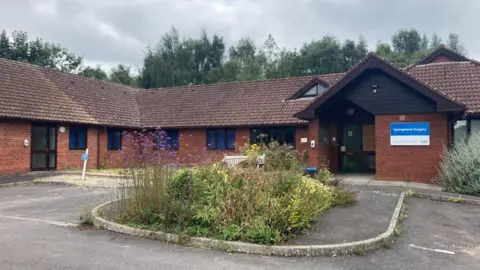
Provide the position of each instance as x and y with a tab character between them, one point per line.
374	243
444	198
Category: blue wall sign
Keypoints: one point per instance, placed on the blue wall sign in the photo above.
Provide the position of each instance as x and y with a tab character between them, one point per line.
417	133
84	156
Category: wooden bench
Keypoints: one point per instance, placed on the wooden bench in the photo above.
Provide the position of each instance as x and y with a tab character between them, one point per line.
233	161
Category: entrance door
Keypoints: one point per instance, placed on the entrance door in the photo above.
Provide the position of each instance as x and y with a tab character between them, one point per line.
351	154
44	147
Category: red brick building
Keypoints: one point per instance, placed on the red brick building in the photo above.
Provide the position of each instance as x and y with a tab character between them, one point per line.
375	118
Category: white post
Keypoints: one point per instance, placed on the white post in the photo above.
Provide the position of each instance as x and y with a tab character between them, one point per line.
85	164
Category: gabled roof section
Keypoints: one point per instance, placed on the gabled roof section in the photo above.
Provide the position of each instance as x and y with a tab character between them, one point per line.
458	80
253	103
309	85
43	94
371	61
443	54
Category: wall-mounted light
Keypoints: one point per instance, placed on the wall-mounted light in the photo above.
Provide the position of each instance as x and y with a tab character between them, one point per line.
375	88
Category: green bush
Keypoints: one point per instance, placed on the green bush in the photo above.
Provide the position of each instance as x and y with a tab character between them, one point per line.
460	169
234	204
277	157
265	206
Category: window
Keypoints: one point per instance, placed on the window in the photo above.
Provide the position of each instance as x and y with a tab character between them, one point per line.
221	139
168	140
114	141
78	138
283	135
459	130
313	92
474	127
324	136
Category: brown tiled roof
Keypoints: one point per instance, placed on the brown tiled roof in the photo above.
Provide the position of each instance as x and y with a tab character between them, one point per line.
226	104
34	93
41	94
458	80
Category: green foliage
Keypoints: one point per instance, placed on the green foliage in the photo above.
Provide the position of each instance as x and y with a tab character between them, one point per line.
94	73
281	157
86	218
460	169
122	74
38	52
245	204
175	61
179	61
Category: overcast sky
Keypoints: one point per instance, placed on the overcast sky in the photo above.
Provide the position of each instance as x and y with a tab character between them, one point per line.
109	32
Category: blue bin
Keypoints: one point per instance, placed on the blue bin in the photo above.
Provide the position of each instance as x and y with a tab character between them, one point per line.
311	171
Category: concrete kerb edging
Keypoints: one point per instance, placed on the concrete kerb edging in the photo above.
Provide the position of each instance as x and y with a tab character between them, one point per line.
444	198
301	250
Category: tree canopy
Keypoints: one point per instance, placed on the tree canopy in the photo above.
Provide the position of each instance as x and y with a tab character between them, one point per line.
38	52
177	60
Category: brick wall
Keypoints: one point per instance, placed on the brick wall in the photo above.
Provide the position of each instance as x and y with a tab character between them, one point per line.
416	163
301	132
15	157
193	142
72	159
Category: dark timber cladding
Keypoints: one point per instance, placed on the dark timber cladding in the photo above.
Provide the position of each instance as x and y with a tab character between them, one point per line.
379	93
403	82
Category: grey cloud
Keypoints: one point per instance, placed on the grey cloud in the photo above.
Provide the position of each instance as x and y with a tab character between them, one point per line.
117	31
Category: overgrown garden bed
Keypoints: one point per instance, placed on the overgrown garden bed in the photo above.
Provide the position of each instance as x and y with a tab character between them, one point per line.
258	205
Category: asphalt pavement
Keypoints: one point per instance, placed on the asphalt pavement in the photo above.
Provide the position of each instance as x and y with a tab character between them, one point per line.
35	222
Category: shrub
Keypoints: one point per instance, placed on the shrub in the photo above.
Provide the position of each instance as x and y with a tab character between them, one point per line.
263	206
86	217
277	156
460	169
231	203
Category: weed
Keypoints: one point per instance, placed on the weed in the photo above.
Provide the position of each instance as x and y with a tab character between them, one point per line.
411	193
398	230
458	199
86	218
388	244
359	251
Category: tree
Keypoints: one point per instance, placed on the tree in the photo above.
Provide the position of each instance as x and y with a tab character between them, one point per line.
406	41
94	73
37	52
383	49
121	74
436	42
352	53
322	56
424	43
19	46
454	44
5	49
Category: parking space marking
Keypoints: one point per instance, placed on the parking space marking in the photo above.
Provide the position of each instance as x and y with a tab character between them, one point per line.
51	222
433	249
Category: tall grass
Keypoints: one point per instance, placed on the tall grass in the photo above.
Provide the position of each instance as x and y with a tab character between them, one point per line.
260	205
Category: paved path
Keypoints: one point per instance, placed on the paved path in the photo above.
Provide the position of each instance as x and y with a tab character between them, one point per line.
32	240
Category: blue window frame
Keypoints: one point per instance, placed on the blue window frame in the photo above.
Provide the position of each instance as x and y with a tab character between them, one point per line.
114	141
221	139
169	140
78	138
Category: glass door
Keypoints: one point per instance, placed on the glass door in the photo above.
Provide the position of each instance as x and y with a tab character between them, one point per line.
44	147
351	154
